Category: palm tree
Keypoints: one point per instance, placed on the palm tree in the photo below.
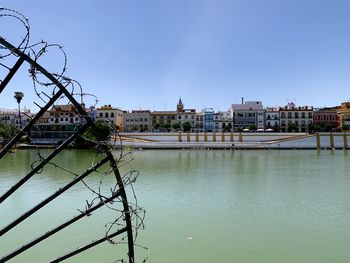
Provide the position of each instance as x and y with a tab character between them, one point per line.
19	96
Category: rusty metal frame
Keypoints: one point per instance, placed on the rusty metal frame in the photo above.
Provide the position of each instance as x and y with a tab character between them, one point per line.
120	193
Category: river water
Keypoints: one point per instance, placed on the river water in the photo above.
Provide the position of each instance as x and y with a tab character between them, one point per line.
201	206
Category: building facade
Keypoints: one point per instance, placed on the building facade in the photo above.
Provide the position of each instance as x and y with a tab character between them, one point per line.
222	121
8	116
199	127
325	119
56	125
249	115
295	119
343	115
163	120
187	115
209	120
62	114
112	115
137	121
272	119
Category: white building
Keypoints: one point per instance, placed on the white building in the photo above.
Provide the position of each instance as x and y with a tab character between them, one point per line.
222	121
62	114
11	117
187	115
248	115
272	119
297	119
8	116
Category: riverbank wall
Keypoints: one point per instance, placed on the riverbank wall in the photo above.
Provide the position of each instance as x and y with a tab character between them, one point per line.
180	140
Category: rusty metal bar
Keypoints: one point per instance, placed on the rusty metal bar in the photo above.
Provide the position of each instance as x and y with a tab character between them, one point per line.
11	73
92	244
52	197
42	164
126	207
59	228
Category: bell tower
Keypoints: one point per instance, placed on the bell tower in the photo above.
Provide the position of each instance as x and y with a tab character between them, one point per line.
180	106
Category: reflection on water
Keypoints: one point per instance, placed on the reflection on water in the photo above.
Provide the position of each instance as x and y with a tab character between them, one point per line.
202	206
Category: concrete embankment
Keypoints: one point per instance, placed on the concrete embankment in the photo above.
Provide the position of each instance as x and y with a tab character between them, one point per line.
235	140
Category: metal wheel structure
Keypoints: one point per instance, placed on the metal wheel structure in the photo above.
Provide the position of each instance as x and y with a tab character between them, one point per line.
12	58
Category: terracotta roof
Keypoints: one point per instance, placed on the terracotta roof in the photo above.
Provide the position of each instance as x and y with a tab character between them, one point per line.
65	108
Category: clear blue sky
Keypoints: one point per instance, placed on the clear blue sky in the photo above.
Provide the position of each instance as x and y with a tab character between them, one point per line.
146	54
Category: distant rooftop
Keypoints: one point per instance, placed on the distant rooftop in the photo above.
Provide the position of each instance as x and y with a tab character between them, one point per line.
248	105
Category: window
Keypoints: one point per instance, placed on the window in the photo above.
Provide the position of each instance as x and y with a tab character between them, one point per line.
112	114
101	114
106	114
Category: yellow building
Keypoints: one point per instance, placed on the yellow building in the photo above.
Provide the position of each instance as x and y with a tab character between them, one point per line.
343	114
111	115
163	120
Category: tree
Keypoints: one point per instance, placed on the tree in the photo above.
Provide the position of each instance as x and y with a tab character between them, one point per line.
19	96
176	126
100	132
327	127
186	126
345	127
6	131
167	126
252	127
316	128
292	127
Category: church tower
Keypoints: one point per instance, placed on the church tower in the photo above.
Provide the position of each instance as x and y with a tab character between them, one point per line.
180	106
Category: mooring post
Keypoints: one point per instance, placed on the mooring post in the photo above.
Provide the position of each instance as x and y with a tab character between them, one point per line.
197	136
188	137
331	140
205	136
214	137
318	143
231	136
180	137
345	138
240	137
223	137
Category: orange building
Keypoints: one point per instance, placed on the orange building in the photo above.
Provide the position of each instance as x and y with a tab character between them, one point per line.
343	114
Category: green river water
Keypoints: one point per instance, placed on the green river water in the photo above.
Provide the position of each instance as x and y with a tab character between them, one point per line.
201	206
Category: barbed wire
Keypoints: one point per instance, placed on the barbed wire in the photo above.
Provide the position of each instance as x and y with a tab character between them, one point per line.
45	90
